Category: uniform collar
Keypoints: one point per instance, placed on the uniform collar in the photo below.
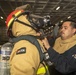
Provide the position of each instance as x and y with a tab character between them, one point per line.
73	38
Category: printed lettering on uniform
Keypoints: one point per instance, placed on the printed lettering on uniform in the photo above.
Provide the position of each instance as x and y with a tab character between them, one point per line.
74	56
21	50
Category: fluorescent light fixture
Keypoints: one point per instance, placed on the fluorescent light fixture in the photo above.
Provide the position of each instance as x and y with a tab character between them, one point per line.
58	8
56	24
1	17
61	21
69	17
52	26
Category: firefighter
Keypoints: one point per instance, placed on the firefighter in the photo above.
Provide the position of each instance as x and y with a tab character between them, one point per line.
25	58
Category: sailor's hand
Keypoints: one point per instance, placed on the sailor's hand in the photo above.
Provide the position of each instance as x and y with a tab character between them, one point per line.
46	43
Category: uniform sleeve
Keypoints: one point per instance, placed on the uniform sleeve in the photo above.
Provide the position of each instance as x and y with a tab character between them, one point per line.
64	63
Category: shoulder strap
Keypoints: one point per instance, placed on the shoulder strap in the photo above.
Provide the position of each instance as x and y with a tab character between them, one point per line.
33	40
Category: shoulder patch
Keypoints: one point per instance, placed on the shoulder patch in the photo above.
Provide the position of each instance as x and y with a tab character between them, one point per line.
21	50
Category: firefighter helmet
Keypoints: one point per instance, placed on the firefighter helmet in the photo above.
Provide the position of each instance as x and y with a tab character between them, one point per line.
10	18
19	10
15	14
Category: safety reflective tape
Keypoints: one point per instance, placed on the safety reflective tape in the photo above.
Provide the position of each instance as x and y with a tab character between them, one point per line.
13	18
42	70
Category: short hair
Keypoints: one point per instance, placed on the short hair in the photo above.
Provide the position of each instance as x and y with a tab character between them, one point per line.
73	23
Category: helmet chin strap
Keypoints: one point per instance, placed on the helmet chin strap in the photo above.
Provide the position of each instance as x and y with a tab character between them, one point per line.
16	19
33	25
25	24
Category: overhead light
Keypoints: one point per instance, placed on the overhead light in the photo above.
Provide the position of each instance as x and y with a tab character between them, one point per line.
1	17
52	26
69	17
57	24
61	21
58	8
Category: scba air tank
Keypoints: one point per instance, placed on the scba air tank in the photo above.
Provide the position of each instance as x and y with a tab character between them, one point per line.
5	55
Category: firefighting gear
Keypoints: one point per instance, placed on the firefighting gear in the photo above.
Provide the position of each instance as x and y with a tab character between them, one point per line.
24	7
25	57
10	18
6	49
38	23
16	13
42	70
61	46
21	52
19	29
33	40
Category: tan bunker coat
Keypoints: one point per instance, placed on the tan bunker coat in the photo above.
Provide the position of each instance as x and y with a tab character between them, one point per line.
24	59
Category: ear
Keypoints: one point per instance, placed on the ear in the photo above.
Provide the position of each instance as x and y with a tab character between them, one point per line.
74	30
